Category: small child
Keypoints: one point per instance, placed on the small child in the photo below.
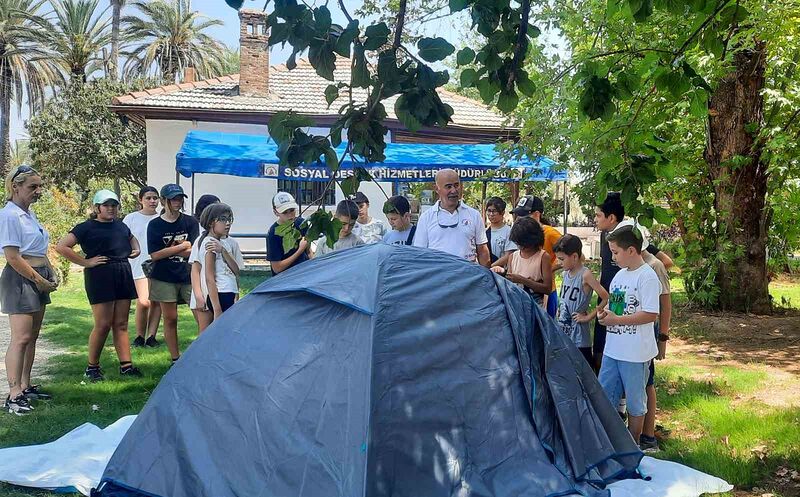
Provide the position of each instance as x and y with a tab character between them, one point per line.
529	267
369	229
346	212
576	294
629	314
220	260
498	231
398	212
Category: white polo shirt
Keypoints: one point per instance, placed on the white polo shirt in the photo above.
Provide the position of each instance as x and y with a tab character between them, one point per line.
458	233
22	230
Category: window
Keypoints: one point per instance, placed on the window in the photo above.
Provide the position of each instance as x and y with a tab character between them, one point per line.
307	192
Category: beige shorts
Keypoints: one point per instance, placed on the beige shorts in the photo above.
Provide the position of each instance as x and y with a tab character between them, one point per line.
161	291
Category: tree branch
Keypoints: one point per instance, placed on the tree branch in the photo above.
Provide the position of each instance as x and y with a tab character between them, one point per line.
399	24
699	30
344	11
521	46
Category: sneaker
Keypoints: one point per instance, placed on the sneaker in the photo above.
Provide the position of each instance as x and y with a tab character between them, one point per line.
151	342
623	415
649	445
33	392
94	373
130	370
138	342
662	432
19	405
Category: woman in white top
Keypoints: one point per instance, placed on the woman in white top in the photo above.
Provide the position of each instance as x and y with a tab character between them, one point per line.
147	316
216	261
25	284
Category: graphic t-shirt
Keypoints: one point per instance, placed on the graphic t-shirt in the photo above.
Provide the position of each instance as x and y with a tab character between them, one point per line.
275	246
137	222
162	234
112	240
395	237
347	242
573	298
629	293
501	243
371	232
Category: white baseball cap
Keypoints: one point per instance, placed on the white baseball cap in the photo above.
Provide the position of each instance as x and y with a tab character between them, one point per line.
283	201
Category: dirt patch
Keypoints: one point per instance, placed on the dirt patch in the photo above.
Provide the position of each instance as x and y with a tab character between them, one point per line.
773	341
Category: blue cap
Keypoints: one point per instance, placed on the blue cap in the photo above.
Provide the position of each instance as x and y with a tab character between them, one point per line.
171	190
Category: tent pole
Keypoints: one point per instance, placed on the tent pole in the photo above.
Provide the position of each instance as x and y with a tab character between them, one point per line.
193	199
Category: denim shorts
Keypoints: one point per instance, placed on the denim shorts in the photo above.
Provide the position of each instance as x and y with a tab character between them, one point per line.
629	378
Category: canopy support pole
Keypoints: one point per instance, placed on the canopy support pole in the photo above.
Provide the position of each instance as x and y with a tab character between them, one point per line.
483	199
194	201
566	206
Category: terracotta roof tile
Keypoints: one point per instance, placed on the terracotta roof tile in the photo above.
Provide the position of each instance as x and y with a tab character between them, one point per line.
300	89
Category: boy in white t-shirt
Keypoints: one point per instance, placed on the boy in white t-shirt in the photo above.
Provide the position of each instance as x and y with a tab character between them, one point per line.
220	261
632	308
346	213
398	212
369	229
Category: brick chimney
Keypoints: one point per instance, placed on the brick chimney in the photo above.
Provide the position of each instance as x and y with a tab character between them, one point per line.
253	53
189	75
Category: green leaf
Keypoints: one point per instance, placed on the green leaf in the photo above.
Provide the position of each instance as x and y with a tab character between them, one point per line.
468	77
507	101
458	5
698	104
641	9
628	83
331	94
434	49
331	159
628	194
596	101
360	76
404	114
322	59
534	31
734	14
377	36
350	185
465	56
291	62
282	125
322	19
662	215
290	236
487	89
675	6
712	43
346	38
236	4
524	84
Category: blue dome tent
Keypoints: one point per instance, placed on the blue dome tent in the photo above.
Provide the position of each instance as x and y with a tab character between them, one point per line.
377	371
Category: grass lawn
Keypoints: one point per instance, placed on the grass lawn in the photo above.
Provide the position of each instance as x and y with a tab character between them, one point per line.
718	423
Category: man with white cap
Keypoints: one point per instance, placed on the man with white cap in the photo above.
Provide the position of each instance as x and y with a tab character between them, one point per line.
286	209
450	225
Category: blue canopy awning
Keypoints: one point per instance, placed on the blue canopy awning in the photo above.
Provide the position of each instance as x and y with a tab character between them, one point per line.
214	152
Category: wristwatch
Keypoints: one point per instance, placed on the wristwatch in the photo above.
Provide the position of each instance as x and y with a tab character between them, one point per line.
663	338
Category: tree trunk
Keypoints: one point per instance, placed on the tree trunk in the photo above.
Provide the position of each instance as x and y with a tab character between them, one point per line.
733	153
116	6
5	118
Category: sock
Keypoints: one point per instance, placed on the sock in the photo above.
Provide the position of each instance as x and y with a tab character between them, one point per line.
623	405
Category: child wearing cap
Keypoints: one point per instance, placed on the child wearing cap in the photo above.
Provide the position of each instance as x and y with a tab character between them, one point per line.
346	212
169	240
107	244
398	212
286	209
368	228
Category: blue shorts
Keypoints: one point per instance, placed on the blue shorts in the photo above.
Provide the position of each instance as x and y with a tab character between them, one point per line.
552	304
628	378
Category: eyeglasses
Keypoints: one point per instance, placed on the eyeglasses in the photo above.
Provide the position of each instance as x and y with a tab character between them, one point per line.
445	226
492	211
21	170
225	219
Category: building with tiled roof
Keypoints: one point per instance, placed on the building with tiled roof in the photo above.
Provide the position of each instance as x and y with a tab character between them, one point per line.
244	103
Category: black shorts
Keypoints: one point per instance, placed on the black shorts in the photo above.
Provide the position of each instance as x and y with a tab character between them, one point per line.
226	301
109	282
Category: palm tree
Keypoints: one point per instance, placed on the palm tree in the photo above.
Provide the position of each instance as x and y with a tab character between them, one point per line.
116	14
229	62
79	37
25	66
168	36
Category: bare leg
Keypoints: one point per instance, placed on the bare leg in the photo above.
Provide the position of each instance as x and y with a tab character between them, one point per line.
21	337
635	424
649	428
30	351
170	312
203	318
142	305
119	325
103	317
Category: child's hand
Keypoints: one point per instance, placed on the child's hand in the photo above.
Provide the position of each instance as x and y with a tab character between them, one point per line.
608	318
498	269
581	317
214	246
515	278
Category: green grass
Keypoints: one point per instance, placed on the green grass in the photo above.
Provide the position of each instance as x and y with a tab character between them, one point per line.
712	431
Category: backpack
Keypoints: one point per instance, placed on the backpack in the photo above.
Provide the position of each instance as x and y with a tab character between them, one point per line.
410	239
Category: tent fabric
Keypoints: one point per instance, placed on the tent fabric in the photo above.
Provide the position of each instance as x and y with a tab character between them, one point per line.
377	371
214	152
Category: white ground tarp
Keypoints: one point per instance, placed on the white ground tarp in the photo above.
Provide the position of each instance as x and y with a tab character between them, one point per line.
75	463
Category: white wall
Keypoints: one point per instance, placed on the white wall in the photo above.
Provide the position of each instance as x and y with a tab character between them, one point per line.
250	198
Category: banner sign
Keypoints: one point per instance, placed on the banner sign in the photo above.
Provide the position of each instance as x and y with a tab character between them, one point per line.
380	173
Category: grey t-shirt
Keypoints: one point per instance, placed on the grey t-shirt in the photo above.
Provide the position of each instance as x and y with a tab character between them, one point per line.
349	241
372	232
501	242
395	237
572	299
